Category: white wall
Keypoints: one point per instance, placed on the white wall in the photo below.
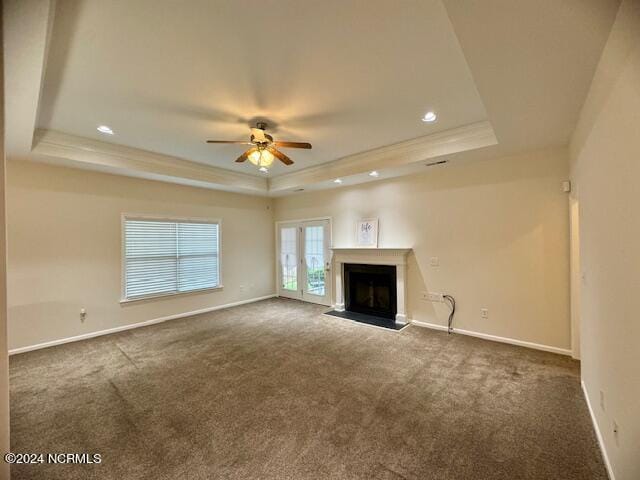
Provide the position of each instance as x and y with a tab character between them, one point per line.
64	246
500	230
605	169
4	359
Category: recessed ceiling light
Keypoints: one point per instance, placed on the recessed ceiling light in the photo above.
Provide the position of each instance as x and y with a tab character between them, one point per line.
105	129
374	174
264	169
430	117
337	180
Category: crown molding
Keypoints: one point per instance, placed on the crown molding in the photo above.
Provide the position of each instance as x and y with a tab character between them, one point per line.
84	152
88	153
461	139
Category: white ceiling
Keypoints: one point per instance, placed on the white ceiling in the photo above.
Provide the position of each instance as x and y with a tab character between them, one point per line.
26	29
352	77
347	76
533	62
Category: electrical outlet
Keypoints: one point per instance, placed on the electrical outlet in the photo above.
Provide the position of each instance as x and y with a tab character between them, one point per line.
431	297
434	262
484	313
602	400
435	297
241	288
83	314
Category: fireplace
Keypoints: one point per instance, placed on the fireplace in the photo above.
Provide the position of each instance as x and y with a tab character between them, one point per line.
370	289
371	282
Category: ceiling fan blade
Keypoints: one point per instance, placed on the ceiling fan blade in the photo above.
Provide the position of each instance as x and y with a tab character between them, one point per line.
230	141
244	156
293	144
280	156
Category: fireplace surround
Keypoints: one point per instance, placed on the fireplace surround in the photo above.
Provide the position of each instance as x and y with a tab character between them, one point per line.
347	259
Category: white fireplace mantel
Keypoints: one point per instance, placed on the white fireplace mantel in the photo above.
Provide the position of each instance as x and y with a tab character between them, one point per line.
373	256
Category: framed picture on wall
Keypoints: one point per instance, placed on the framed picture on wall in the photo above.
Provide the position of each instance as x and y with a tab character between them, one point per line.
367	233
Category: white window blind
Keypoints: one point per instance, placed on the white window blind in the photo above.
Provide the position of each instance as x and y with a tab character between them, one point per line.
163	257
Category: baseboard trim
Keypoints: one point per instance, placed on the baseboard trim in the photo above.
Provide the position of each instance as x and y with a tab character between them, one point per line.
131	326
605	457
494	338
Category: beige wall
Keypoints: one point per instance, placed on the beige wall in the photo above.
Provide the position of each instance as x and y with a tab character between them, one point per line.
4	363
605	170
64	241
499	228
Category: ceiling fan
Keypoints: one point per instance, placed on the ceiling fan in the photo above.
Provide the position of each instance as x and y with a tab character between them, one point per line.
263	148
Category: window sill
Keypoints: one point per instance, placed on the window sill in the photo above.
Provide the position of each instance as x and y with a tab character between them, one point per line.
125	301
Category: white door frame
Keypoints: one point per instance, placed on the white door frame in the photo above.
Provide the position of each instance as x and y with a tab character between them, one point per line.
307	296
575	273
329	275
279	290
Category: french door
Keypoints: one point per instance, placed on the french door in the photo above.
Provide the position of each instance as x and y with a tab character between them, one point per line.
304	261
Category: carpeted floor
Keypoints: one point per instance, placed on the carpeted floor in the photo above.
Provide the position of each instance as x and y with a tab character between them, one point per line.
276	390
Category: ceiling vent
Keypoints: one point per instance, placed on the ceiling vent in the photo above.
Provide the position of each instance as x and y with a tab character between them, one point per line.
433	164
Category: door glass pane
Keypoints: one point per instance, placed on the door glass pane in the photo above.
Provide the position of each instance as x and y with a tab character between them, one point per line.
314	258
289	258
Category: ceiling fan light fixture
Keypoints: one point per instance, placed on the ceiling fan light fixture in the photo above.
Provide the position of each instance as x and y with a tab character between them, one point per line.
264	150
261	158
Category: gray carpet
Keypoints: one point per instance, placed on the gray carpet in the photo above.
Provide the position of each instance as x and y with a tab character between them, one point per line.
276	390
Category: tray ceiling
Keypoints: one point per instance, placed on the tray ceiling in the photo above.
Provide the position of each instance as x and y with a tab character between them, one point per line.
346	76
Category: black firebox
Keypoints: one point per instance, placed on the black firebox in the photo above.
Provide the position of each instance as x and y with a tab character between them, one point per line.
370	289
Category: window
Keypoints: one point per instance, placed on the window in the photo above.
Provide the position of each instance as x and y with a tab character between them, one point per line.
169	256
289	259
